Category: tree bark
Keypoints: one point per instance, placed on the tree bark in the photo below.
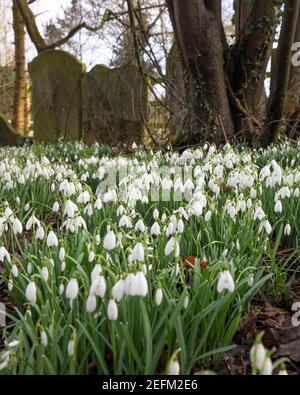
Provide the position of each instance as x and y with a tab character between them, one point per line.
248	64
242	9
199	35
19	107
281	74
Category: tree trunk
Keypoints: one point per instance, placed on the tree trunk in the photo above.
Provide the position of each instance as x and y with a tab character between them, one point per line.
199	35
281	74
19	107
248	64
242	9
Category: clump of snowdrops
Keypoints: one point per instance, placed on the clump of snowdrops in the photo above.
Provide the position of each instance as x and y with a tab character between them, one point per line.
127	278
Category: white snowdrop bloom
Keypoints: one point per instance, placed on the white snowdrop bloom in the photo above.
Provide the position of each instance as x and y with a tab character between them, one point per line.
225	282
70	209
96	272
140	226
158	296
15	271
287	229
155	214
267	368
134	146
173	368
98	287
97	239
98	204
61	289
278	207
26	207
140	285
71	347
253	193
208	216
52	188
163	217
128	284
63	266
268	227
72	289
120	210
44	338
125	221
88	210
91	304
180	226
110	241
259	214
249	203
4	254
62	254
52	240
29	268
258	355
40	233
118	290
172	245
91	256
10	285
112	310
45	273
17	226
30	292
196	209
297	192
138	252
8	213
250	280
186	302
55	207
283	372
13	344
155	229
170	229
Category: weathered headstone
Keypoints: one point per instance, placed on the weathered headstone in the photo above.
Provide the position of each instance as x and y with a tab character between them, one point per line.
8	136
56	96
114	105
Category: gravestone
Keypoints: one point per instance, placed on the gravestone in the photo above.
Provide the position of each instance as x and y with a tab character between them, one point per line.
56	96
8	136
114	105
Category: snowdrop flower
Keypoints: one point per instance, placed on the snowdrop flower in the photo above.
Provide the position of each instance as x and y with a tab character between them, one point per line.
98	204
4	254
71	348
170	229
180	226
128	284
267	368
258	355
55	207
140	285
45	273
30	292
17	226
52	240
158	296
44	338
197	209
138	252
155	229
72	289
278	207
283	372
70	209
96	272
91	304
186	302
40	233
63	266
250	280
225	282
61	289
140	226
208	216
172	245
98	287
268	227
8	213
29	268
62	254
118	290
155	214
15	271
97	239
91	256
10	285
287	230
259	214
125	221
173	368
110	241
112	310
